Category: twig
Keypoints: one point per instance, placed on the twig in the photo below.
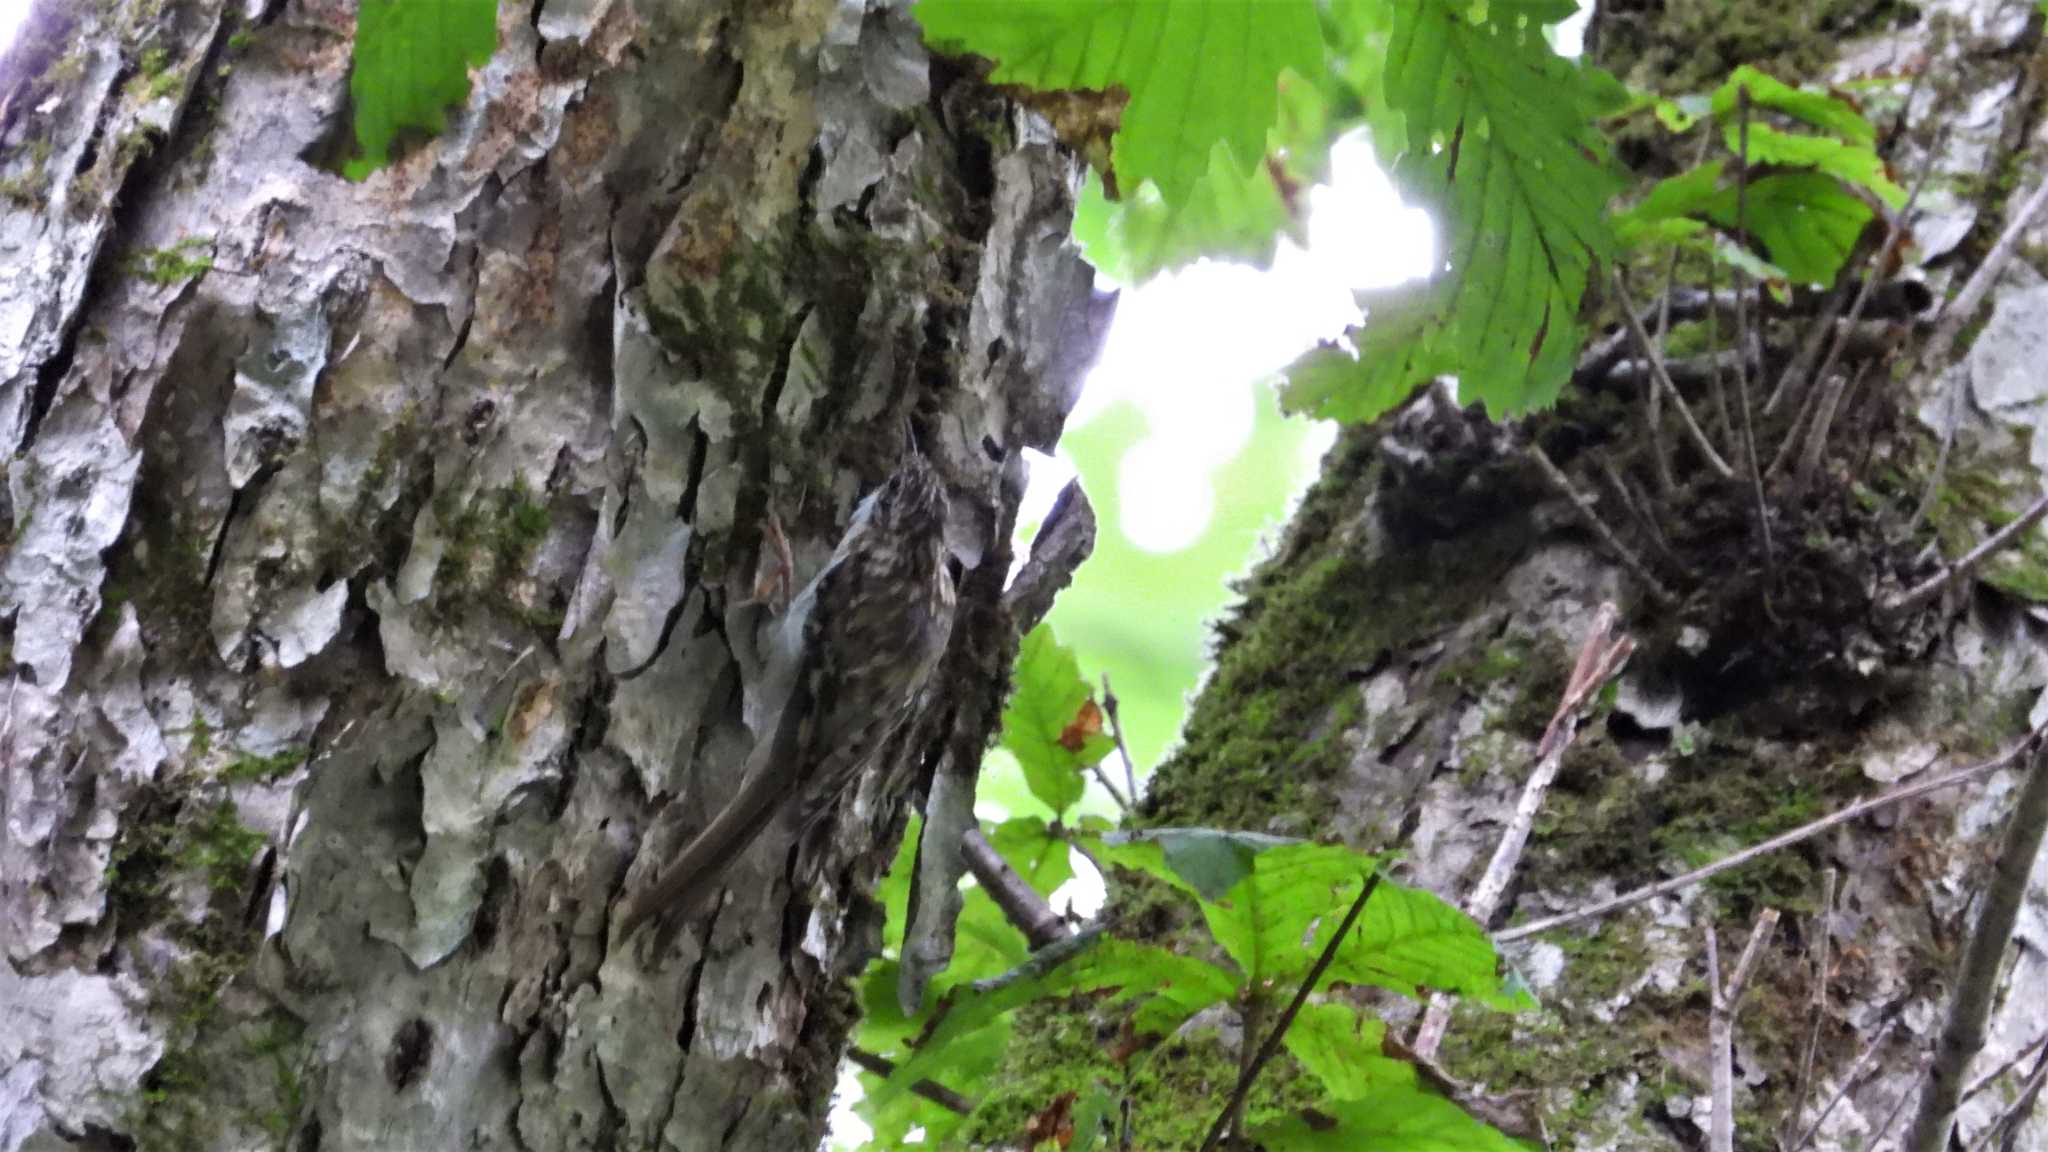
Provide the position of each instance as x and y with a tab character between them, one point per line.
1804	832
1663	380
1931	587
1987	1079
1116	731
1817	435
1715	389
1643	520
1724	1003
1250	1075
1601	658
937	1093
1021	904
1848	1081
1891	1118
1563	484
1962	1037
1809	348
1820	1003
1954	315
2008	1123
1815	451
1248	1027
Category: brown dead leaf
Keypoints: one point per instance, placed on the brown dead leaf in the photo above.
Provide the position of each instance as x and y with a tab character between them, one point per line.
1085	726
1053	1122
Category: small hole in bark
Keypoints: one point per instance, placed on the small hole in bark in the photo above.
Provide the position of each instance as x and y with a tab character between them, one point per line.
412	1049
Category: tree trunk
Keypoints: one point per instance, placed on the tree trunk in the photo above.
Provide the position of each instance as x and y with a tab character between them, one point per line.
394	566
1394	663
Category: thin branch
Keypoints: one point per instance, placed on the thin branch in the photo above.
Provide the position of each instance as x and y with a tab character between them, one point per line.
937	1093
1962	1037
1021	904
1742	332
1823	929
1627	499
1718	393
1663	379
1267	1050
1116	731
1987	1079
1725	1002
2007	1126
1848	1081
1601	658
1954	315
1817	435
1801	834
1931	587
1563	484
1809	348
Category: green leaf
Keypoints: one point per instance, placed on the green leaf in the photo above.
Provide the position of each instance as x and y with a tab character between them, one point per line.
1178	987
1806	222
1391	1117
1688	193
412	60
1206	862
1198	72
1499	142
1046	701
1093	1114
1264	921
1827	113
1336	1045
1856	164
1041	858
1411	942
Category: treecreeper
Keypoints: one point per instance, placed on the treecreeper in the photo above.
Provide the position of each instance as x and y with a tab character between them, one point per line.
880	614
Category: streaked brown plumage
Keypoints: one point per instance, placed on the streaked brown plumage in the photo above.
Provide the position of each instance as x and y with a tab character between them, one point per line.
880	614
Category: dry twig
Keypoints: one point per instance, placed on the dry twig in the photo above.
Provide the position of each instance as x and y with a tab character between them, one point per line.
1899	795
1629	560
1021	904
1820	1002
1601	658
1724	1002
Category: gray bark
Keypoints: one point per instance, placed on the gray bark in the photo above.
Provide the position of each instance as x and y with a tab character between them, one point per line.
391	594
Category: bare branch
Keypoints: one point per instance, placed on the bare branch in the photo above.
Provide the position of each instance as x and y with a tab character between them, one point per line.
1962	1037
1563	484
1267	1050
1804	832
2007	1126
1928	589
1987	1079
1116	731
1725	1002
1663	379
1601	658
1824	929
1848	1081
937	1093
1021	904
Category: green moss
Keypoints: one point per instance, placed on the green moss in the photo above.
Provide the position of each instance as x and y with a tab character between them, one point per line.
1267	726
1983	492
188	258
487	546
1174	1089
249	768
1689	45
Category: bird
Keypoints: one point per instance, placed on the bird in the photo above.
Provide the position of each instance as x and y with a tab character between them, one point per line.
879	616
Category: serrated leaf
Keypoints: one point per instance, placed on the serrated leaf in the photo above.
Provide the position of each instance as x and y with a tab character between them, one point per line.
412	62
1176	987
1391	1117
1807	223
1341	1048
1046	696
1856	164
1198	72
1498	141
1266	919
1412	942
1093	1114
1041	858
1828	113
1205	862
